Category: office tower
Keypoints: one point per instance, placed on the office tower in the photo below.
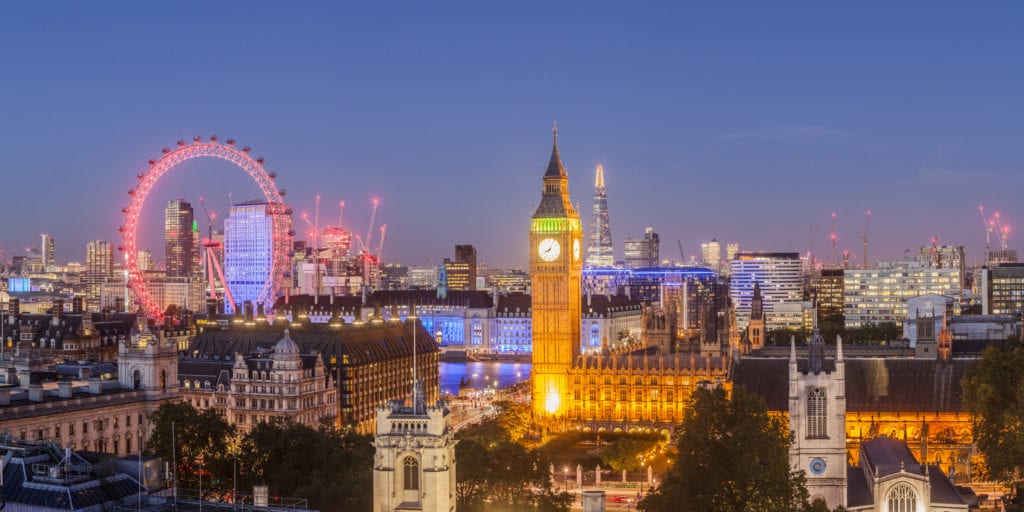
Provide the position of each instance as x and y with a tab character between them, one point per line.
711	254
179	244
944	256
555	269
731	249
47	251
779	275
1002	289
462	272
643	252
248	251
99	265
600	253
145	260
879	295
827	288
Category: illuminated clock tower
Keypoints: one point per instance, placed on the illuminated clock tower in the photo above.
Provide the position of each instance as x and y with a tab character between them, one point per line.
556	269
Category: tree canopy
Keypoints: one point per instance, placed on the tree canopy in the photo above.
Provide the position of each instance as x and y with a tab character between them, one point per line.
203	442
994	394
733	456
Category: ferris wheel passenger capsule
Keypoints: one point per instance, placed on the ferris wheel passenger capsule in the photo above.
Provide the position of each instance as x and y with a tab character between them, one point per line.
260	160
246	149
181	143
230	142
152	162
165	151
197	139
272	174
213	138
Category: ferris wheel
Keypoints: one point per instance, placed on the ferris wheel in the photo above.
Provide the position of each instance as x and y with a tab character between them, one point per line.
280	214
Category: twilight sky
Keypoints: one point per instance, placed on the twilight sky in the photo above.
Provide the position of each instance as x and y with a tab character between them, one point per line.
739	123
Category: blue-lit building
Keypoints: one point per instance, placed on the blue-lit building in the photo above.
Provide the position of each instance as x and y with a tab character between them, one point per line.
248	251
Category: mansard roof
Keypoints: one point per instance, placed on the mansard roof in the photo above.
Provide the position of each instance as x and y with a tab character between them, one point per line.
872	384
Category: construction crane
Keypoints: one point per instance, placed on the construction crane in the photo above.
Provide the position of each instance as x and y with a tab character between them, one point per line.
988	229
380	246
810	238
864	238
1003	231
682	259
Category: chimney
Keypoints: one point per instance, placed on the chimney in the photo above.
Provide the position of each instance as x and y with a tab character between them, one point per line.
95	387
84	373
64	389
35	393
247	306
10	375
14	308
259	311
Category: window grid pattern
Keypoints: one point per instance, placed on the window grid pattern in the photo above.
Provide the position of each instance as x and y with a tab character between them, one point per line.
411	480
902	498
817	417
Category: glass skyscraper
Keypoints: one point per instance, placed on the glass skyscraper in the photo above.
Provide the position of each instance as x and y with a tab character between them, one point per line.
600	253
179	245
248	244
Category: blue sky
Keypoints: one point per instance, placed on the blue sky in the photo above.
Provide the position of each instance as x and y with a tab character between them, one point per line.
738	122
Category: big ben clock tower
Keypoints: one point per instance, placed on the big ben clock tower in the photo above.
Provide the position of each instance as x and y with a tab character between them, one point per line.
556	269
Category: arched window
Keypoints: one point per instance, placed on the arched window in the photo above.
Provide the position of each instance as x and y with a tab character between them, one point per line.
412	474
137	379
902	498
817	417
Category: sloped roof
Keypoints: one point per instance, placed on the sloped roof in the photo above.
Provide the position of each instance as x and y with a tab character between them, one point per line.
872	384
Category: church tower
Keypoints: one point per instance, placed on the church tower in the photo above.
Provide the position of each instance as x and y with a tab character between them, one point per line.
414	459
147	362
817	417
756	324
556	270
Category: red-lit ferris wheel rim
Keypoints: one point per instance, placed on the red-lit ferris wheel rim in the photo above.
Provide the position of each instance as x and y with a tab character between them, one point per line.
170	159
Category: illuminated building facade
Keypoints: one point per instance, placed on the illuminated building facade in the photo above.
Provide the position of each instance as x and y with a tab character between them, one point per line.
711	254
366	362
461	272
602	392
879	295
275	382
600	253
643	252
827	288
99	265
248	241
779	275
47	251
179	243
556	268
944	256
1002	289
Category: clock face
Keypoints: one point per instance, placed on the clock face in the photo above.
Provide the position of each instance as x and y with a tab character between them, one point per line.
576	249
549	249
817	466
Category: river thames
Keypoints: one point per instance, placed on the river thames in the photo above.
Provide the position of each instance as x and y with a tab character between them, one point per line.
482	374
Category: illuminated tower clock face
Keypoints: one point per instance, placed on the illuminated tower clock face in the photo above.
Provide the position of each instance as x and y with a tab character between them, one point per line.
549	249
576	249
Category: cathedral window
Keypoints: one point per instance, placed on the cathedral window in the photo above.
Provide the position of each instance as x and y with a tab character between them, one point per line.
411	475
817	417
902	498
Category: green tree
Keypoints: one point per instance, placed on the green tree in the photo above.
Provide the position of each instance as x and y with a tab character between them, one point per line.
627	453
733	456
332	469
203	442
994	394
502	475
515	418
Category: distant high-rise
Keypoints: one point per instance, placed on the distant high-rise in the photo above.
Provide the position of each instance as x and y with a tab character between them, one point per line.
464	277
600	253
248	251
47	251
99	265
179	244
145	260
944	256
711	254
643	252
731	249
777	275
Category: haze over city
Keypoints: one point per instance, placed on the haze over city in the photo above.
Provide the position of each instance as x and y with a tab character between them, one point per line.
735	123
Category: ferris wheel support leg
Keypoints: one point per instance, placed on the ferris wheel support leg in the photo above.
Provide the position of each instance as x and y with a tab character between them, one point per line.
227	291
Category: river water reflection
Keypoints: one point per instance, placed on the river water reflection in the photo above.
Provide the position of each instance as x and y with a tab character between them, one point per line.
482	374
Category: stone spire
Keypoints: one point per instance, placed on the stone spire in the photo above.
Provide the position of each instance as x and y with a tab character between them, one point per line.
555	167
816	347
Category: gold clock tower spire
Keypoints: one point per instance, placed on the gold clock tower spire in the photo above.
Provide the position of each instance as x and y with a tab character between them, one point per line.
556	269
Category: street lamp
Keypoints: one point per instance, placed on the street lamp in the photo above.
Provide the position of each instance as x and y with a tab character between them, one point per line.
565	479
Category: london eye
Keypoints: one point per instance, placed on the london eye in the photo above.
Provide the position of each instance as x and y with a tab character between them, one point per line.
170	159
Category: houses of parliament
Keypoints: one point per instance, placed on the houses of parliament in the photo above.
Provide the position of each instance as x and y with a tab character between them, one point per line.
915	399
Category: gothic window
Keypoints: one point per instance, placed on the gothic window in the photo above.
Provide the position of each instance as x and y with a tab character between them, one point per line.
816	414
411	475
902	498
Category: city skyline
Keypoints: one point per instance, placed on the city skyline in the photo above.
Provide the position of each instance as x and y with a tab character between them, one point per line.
709	124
